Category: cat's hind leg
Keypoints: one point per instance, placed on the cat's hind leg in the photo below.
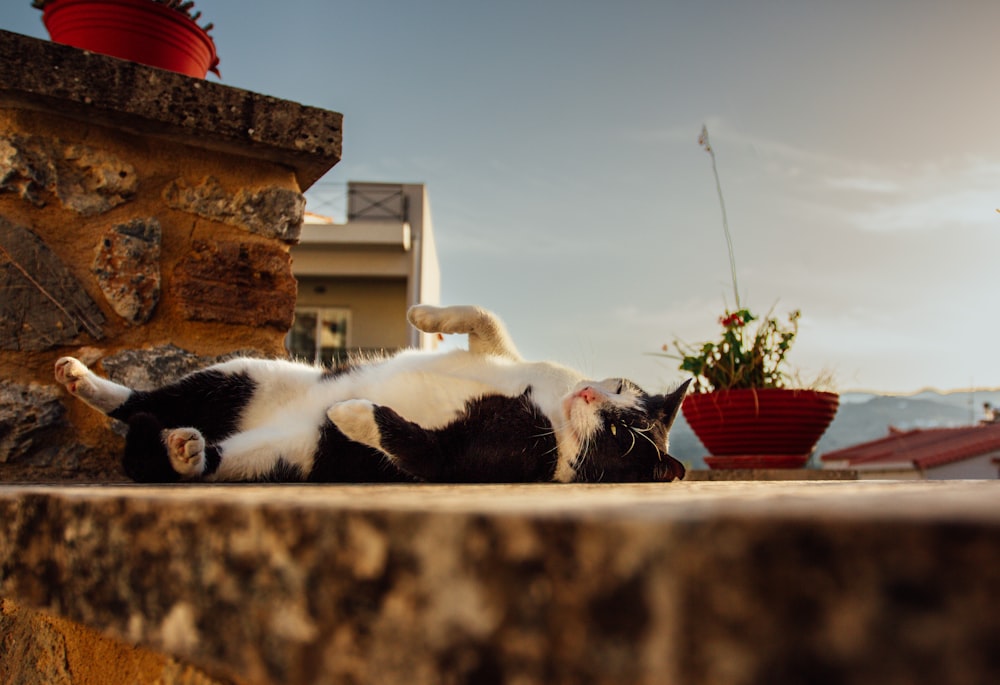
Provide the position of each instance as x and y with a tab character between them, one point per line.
81	382
487	334
154	454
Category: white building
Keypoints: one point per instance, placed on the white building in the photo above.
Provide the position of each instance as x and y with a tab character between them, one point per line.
357	279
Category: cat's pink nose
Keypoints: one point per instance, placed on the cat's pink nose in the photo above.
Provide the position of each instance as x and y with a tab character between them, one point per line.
589	395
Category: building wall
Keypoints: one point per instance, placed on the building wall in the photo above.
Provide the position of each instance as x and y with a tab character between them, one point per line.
978	467
428	287
378	264
377	305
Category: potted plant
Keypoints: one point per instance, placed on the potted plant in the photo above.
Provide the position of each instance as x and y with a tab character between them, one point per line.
741	409
159	33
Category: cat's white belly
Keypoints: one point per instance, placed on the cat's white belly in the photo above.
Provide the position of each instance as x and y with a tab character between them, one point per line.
431	390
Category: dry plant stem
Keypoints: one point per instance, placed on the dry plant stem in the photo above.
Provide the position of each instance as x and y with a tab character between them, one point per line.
725	219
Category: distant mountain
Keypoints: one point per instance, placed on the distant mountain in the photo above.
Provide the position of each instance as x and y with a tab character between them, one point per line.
863	417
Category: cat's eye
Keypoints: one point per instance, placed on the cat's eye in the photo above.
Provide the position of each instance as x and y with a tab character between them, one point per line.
614	429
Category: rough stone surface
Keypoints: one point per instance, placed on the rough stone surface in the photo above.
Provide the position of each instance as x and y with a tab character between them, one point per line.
246	284
127	268
151	368
43	305
37	649
820	582
28	416
271	212
37	440
85	180
151	101
771	474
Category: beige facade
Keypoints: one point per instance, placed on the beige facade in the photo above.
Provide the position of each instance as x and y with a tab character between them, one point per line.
357	279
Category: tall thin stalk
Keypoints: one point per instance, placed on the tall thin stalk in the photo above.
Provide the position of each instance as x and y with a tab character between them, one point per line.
704	142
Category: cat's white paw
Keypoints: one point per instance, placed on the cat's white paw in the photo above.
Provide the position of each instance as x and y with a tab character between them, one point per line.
74	375
84	384
430	319
186	449
356	420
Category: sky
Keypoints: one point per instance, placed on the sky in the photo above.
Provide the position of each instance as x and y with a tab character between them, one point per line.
858	149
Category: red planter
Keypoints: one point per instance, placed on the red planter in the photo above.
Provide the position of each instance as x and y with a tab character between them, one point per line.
776	427
137	30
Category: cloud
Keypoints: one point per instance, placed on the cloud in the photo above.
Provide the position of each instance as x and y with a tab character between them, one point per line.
963	194
939	194
865	184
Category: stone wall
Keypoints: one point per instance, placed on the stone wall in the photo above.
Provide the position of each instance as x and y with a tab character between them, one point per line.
138	209
752	583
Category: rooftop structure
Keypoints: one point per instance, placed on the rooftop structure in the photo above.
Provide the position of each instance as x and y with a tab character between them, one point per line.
935	453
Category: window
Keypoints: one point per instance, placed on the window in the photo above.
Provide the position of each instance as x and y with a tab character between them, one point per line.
320	334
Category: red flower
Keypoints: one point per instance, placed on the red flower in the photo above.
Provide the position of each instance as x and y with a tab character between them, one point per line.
734	320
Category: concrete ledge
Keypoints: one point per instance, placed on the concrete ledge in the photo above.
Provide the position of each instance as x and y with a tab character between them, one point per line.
823	582
99	89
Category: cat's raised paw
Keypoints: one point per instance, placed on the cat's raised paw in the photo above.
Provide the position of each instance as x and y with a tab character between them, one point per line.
74	375
356	420
431	319
84	384
186	449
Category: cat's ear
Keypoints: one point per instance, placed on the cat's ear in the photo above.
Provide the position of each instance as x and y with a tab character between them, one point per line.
671	403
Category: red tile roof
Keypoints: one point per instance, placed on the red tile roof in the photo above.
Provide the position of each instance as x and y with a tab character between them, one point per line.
925	448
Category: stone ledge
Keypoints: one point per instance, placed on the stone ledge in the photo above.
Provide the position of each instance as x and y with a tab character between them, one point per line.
771	474
117	93
847	582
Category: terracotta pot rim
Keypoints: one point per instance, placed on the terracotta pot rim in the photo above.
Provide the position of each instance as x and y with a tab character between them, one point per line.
738	391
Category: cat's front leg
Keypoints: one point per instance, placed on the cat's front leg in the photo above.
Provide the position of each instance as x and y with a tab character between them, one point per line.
81	382
407	445
487	334
356	420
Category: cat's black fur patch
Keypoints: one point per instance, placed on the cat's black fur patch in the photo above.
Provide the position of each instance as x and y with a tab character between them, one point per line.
210	401
283	472
497	439
340	460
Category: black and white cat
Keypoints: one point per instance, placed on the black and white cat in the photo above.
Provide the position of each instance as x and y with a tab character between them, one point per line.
477	415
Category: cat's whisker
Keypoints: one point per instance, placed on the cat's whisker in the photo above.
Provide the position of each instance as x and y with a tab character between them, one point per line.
642	434
632	446
544	433
554	448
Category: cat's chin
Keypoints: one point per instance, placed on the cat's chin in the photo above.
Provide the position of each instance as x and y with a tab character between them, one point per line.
580	410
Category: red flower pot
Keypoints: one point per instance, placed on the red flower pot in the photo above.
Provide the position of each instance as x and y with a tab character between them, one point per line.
777	427
137	30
